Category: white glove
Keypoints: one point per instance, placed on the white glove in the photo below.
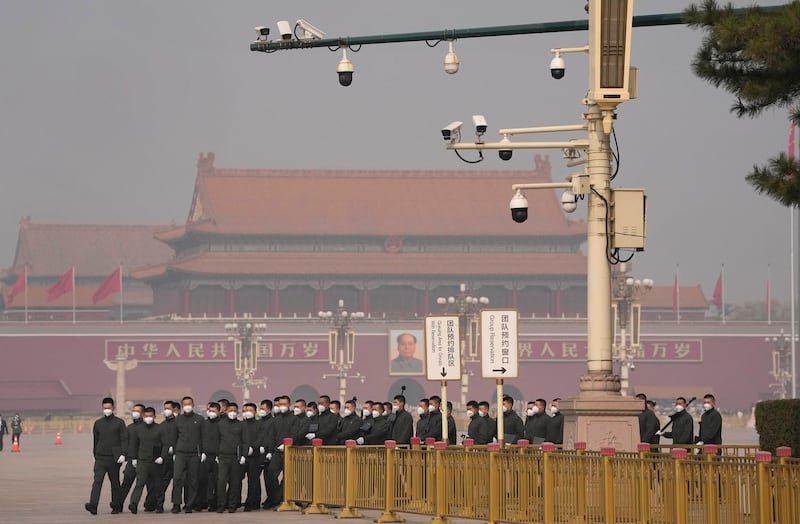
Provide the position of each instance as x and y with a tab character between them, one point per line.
202	457
121	459
261	450
309	436
280	448
360	440
170	451
249	451
659	432
269	456
241	461
494	439
216	460
134	462
159	460
700	443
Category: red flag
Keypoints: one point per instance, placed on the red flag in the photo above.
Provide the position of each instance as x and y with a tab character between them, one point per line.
111	285
718	291
65	284
20	286
675	294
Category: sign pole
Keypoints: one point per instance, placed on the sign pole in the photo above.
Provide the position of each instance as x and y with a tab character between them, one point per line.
443	409
500	432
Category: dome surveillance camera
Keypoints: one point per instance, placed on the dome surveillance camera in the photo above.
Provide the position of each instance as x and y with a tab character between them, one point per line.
519	208
505	154
345	70
568	201
557	67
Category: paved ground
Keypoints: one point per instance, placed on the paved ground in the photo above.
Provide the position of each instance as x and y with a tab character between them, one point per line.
45	483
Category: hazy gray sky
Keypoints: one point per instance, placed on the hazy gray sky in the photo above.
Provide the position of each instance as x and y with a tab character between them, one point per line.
106	105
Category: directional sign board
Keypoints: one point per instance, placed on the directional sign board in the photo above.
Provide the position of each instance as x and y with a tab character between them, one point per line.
499	344
442	348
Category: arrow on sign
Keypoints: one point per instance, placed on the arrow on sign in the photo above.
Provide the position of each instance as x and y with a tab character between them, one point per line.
444	372
501	370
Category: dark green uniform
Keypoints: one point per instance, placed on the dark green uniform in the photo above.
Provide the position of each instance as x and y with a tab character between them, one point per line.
229	475
144	446
109	436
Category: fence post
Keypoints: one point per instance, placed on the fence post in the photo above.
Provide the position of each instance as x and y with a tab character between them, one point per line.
317	480
711	495
548	487
495	493
441	503
523	445
389	514
643	495
783	485
351	476
288	479
608	483
763	459
580	475
783	452
681	494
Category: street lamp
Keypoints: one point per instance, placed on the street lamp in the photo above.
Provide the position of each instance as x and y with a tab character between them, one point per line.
782	371
245	336
342	345
627	292
466	307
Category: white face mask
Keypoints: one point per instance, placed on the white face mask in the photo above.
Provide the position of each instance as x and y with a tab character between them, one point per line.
347	412
482	413
530	412
284	409
395	409
309	414
148	420
553	410
321	408
420	410
108	412
212	415
707	406
679	408
167	413
470	413
376	414
262	413
535	410
232	415
431	409
247	415
188	409
505	409
365	412
135	415
297	411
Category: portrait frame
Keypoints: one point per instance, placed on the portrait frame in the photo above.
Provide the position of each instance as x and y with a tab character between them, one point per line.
419	353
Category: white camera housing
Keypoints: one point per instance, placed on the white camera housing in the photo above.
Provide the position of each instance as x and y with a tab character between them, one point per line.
557	67
309	31
344	69
452	131
480	124
568	201
262	33
284	29
519	207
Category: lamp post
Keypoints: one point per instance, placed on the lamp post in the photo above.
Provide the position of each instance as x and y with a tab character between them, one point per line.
342	345
782	371
466	307
245	336
627	292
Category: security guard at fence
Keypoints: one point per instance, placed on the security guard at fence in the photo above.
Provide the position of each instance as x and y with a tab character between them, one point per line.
403	424
283	427
513	428
682	425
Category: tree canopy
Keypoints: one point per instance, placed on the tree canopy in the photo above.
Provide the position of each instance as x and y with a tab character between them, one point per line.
755	55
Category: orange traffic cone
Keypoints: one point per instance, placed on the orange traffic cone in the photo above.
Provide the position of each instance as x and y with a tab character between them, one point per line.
58	438
15	446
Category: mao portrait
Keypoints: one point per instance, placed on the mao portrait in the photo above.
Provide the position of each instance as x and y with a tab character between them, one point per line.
404	354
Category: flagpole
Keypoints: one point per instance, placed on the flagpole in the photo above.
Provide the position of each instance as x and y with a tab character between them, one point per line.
73	296
678	292
792	278
25	269
121	296
769	309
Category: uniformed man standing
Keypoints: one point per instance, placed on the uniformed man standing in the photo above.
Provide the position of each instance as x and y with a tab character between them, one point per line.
129	473
169	436
253	444
682	424
231	460
555	429
512	424
108	433
207	485
435	418
283	427
327	422
266	420
451	425
710	423
380	426
351	423
145	449
537	421
189	454
403	424
648	423
423	420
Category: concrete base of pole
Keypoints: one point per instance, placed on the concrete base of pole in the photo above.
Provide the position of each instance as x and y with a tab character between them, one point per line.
601	417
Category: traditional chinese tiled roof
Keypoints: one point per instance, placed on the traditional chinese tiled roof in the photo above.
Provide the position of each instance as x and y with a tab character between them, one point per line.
292	202
48	250
374	264
660	297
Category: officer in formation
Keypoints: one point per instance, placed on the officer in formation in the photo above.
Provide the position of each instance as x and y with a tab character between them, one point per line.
682	425
208	459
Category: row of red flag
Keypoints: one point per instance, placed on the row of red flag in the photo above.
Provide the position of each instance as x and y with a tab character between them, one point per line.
716	296
112	284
